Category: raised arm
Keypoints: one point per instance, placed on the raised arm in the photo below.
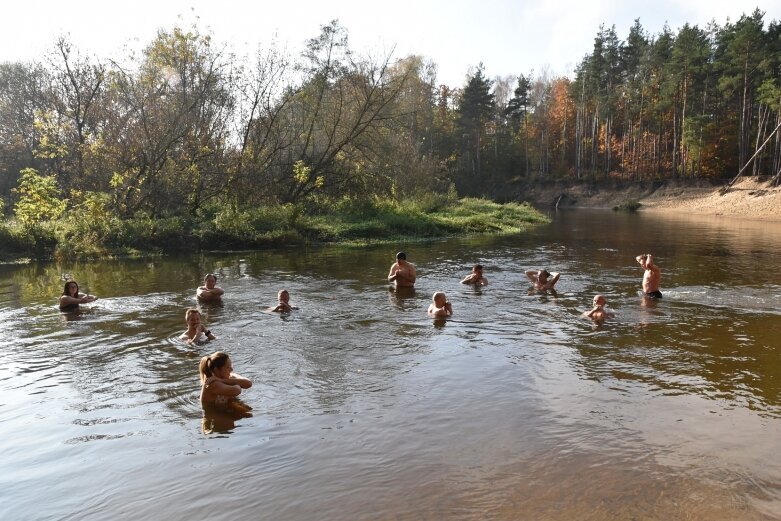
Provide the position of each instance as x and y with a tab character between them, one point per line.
532	275
554	279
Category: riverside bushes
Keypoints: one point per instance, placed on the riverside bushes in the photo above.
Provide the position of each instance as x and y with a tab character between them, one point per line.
95	232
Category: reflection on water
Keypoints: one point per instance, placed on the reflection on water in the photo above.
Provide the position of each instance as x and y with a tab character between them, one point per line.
364	407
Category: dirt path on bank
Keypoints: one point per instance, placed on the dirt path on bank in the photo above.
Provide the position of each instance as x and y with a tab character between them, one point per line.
748	198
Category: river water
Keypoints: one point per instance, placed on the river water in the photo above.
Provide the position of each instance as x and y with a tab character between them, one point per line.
364	408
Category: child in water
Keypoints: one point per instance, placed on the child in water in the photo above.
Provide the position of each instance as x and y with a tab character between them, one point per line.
440	307
284	303
196	332
220	385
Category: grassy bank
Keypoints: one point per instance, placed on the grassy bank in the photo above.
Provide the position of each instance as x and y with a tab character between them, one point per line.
345	221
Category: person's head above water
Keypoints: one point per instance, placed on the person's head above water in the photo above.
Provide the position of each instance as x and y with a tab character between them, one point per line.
600	300
210	278
71	288
192	315
216	364
283	295
401	256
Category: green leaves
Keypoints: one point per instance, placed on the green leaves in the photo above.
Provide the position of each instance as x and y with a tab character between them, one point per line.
38	198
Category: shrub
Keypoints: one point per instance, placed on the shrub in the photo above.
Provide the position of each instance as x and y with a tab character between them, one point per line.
38	198
627	206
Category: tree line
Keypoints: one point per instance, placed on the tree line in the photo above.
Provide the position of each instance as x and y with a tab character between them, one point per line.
185	125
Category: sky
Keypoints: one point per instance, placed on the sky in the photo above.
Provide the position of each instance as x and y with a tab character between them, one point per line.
508	37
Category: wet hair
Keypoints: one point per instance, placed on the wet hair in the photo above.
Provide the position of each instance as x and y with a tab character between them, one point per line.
437	294
478	267
210	275
189	312
209	363
401	255
65	289
280	292
544	272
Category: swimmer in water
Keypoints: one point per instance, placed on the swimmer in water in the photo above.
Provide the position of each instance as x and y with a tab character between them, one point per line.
71	297
598	313
543	279
283	297
440	307
220	385
209	292
476	277
196	332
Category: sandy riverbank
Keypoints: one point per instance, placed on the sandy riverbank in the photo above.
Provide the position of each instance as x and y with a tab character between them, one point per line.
748	198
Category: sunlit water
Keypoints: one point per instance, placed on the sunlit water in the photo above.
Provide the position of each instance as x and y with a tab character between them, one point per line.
516	408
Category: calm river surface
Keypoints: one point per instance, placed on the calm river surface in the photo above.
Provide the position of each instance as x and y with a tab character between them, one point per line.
516	408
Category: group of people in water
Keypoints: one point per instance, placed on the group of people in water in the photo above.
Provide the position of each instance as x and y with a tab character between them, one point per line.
220	386
402	274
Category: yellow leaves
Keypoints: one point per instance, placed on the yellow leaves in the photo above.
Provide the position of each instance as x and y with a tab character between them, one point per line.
117	180
51	144
301	172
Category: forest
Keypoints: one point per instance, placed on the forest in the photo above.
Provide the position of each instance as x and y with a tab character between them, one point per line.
186	130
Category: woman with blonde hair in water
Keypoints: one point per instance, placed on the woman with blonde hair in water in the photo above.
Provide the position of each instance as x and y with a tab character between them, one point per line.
220	386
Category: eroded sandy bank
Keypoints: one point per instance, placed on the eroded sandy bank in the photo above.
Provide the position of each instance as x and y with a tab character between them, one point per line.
748	198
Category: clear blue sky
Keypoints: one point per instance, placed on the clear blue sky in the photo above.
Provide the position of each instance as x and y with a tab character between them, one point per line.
508	36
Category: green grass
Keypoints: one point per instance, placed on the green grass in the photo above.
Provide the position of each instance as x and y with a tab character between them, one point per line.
344	221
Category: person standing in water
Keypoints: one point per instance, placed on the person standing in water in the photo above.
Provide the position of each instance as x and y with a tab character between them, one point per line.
283	306
71	297
598	313
219	384
440	306
209	292
402	273
651	277
543	279
476	277
196	332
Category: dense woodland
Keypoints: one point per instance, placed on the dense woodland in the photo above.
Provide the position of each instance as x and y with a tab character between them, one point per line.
185	126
